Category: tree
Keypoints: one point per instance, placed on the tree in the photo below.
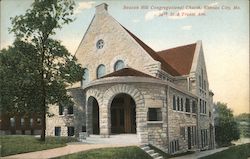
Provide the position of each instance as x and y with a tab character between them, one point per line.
49	67
226	128
244	124
19	79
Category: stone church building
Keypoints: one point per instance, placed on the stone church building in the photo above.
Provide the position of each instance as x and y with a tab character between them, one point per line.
161	97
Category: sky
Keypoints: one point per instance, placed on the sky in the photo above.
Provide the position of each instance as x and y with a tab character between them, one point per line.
222	26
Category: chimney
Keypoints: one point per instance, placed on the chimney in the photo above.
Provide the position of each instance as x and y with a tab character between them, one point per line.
101	8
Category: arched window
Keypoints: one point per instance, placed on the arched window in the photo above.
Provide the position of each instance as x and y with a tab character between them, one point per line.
85	75
100	71
119	65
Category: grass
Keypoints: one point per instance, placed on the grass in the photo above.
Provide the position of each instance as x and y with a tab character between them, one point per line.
16	144
234	152
131	152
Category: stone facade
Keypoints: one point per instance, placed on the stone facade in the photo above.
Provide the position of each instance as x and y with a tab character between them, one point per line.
173	113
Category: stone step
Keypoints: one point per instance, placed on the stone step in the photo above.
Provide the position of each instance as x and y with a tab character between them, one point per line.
159	157
150	151
146	148
155	155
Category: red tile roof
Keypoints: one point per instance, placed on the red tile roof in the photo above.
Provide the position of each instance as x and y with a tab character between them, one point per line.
180	58
165	66
176	61
127	72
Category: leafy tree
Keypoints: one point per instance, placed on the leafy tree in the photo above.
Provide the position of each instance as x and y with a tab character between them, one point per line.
244	124
19	79
243	117
226	128
47	68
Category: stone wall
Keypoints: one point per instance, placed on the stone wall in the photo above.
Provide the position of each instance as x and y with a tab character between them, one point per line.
118	45
178	119
204	119
77	119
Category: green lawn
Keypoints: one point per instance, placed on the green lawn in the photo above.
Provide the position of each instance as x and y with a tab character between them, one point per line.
234	152
15	144
131	152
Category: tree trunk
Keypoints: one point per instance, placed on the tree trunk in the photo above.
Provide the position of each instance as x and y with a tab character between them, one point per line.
43	129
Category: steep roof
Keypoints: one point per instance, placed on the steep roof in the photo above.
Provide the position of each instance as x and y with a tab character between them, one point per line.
165	66
180	58
127	72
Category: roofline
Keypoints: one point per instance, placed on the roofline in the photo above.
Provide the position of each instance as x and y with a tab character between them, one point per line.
177	47
196	56
84	35
134	79
127	32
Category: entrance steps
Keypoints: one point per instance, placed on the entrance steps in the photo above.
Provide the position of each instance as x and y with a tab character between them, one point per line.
151	152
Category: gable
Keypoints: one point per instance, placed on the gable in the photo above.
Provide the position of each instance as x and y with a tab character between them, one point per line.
118	45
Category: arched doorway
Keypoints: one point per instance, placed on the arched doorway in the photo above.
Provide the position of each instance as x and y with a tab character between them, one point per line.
123	114
93	108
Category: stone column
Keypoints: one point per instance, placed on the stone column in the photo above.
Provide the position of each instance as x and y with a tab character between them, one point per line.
141	121
89	126
104	121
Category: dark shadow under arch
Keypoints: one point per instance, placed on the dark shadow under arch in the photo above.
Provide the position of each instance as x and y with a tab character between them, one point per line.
123	114
93	108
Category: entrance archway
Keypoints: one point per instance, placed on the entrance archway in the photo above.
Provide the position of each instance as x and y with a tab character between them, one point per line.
93	108
123	114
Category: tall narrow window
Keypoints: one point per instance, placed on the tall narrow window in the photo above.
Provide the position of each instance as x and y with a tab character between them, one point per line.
201	108
60	109
193	107
119	65
205	85
12	122
100	71
85	76
70	110
178	103
57	131
31	121
187	105
39	121
174	103
22	121
181	104
71	131
200	80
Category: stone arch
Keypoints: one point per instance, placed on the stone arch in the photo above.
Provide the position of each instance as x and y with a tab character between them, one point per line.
123	88
141	111
94	93
90	95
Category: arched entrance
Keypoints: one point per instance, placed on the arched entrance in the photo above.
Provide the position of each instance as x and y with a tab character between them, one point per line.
123	114
93	111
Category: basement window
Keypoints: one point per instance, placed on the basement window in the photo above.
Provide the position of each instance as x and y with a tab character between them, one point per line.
154	114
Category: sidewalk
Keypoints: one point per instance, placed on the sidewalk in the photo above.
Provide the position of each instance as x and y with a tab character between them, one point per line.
197	155
92	142
69	149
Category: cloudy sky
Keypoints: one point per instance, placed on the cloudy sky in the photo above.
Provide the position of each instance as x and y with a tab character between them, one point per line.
223	27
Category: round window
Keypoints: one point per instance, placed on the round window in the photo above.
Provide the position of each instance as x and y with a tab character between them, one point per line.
100	44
